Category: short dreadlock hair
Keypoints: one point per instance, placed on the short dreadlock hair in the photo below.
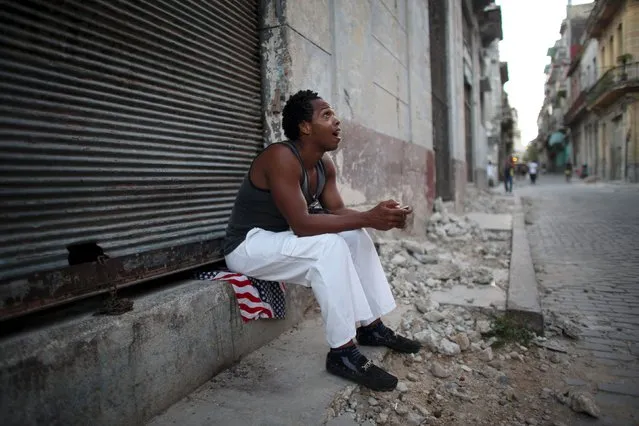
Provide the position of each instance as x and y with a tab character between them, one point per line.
298	108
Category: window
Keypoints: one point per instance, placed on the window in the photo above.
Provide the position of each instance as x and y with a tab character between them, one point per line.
619	40
611	52
585	80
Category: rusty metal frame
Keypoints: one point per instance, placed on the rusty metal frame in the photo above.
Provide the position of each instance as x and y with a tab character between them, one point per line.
56	287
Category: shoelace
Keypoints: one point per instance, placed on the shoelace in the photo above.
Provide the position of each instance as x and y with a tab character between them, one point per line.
357	356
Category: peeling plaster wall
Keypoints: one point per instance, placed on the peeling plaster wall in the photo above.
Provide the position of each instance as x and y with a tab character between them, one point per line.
492	100
276	66
370	60
456	82
480	141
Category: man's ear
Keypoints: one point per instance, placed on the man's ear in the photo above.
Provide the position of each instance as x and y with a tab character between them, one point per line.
305	128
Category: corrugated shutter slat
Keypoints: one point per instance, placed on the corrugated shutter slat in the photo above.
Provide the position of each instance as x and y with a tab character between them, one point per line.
128	123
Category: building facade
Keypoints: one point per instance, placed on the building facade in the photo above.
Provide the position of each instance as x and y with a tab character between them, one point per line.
492	102
613	98
600	125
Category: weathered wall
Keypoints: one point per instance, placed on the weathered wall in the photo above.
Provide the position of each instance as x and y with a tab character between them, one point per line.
631	45
633	145
589	68
626	140
480	146
370	60
456	98
492	100
456	82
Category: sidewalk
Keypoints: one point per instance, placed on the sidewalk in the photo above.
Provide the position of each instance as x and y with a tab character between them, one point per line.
284	383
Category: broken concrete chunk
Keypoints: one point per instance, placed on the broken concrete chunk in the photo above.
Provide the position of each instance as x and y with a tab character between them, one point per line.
446	347
439	371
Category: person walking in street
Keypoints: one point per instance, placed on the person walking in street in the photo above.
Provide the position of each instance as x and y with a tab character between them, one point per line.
568	171
509	173
289	223
532	171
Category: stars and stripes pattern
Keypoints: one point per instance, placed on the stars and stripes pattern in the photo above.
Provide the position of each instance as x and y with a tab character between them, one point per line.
256	298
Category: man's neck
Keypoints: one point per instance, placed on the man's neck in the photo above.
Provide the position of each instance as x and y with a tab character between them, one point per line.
310	153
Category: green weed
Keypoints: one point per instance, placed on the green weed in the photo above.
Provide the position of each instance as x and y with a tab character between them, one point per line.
507	330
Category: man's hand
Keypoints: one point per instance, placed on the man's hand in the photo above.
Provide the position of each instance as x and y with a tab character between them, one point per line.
388	215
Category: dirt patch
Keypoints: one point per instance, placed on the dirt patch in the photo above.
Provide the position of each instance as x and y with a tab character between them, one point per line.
519	386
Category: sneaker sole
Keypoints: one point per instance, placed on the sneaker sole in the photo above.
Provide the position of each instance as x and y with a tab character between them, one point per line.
362	380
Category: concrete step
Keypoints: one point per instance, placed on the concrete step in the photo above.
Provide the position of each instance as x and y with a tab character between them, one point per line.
123	370
283	383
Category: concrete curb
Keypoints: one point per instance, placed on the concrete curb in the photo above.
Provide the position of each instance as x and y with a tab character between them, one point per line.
123	370
523	302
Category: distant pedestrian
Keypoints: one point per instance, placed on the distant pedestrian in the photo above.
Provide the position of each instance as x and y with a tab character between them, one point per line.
532	171
568	171
509	173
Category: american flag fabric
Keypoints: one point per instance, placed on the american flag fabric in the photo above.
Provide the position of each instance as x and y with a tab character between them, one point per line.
256	298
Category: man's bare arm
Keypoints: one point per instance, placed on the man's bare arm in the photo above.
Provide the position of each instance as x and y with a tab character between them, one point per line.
283	178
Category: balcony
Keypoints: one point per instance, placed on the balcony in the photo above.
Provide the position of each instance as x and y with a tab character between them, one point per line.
490	28
577	109
507	121
613	85
602	14
503	72
480	5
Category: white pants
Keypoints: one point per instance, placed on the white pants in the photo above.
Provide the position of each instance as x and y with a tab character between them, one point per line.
343	270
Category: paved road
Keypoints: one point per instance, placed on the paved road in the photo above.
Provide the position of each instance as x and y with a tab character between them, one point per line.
584	241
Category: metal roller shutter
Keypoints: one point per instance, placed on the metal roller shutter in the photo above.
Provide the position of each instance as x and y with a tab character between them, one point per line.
127	123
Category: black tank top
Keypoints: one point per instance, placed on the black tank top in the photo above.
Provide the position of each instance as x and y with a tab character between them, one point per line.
255	208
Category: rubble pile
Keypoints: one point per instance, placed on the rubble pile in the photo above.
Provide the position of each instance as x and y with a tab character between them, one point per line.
462	376
484	201
455	252
445	332
460	365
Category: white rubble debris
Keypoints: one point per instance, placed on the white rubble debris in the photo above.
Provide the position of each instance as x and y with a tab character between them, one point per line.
477	200
446	347
455	252
439	371
580	402
486	354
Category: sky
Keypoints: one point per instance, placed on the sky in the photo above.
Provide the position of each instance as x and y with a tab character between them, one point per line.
530	28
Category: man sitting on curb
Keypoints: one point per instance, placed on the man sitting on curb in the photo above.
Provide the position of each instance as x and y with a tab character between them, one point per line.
273	235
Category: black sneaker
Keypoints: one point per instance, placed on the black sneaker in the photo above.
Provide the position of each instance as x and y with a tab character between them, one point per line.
380	335
350	364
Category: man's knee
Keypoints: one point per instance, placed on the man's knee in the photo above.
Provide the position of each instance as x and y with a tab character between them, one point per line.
333	243
357	236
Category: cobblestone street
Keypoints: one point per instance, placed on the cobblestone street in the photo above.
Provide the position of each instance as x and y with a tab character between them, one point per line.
584	240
